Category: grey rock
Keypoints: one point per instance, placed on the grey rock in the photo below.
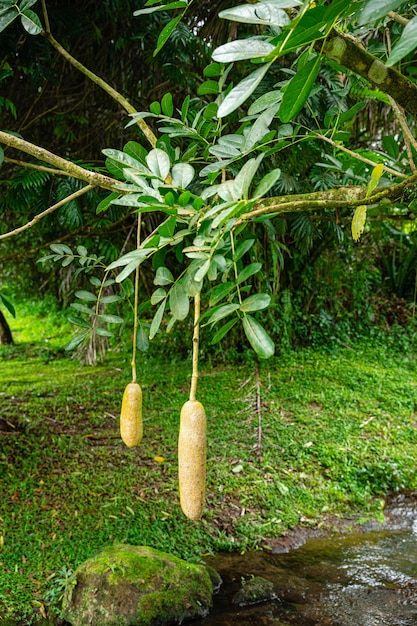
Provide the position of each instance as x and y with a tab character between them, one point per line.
127	585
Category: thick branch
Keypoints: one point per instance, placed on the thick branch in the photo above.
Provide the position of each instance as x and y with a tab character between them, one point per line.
349	53
342	197
70	169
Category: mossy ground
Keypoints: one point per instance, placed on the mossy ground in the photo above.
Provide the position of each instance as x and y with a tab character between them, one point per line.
338	433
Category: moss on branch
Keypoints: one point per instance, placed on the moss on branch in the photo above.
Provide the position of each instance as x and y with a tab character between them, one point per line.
67	167
351	54
342	197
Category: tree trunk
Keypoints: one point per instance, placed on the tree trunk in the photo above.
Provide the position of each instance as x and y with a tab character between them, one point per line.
5	332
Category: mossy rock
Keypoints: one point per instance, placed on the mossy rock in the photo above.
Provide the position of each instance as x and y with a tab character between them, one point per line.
137	586
253	590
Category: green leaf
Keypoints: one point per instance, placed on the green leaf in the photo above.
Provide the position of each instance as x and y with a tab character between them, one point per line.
309	28
158	162
242	248
156	322
182	174
213	70
257	302
103	332
155	108
126	160
244	178
373	10
129	257
61	248
111	298
259	129
350	113
82	308
224	330
104	204
167	105
1	156
86	295
267	182
239	94
259	13
142	340
135	150
5	5
158	295
26	4
31	22
219	292
9	306
248	271
179	302
240	49
209	87
202	271
406	44
298	90
79	321
111	319
76	341
258	338
167	228
266	101
166	33
7	17
222	312
391	146
163	276
181	4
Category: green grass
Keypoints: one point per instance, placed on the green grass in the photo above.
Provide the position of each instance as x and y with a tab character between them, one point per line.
339	432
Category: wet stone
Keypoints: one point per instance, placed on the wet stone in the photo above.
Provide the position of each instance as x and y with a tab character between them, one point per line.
254	590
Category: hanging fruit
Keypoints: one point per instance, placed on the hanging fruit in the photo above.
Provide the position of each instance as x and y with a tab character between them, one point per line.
131	425
192	459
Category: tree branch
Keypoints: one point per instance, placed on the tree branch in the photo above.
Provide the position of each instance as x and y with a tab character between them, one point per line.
360	157
349	52
409	140
51	209
35	166
67	167
398	18
118	97
342	197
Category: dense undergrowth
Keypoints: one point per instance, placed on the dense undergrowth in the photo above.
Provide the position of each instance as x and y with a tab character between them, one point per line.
303	438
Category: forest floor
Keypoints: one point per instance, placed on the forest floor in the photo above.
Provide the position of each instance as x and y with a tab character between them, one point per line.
303	439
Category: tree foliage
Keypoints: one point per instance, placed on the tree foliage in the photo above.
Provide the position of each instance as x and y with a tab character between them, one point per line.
267	137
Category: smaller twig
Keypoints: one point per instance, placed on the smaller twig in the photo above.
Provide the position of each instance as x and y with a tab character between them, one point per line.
51	209
355	155
196	340
409	139
118	97
34	166
258	411
46	17
136	304
398	18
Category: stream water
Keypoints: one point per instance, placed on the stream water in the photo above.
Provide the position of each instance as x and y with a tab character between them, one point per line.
366	578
